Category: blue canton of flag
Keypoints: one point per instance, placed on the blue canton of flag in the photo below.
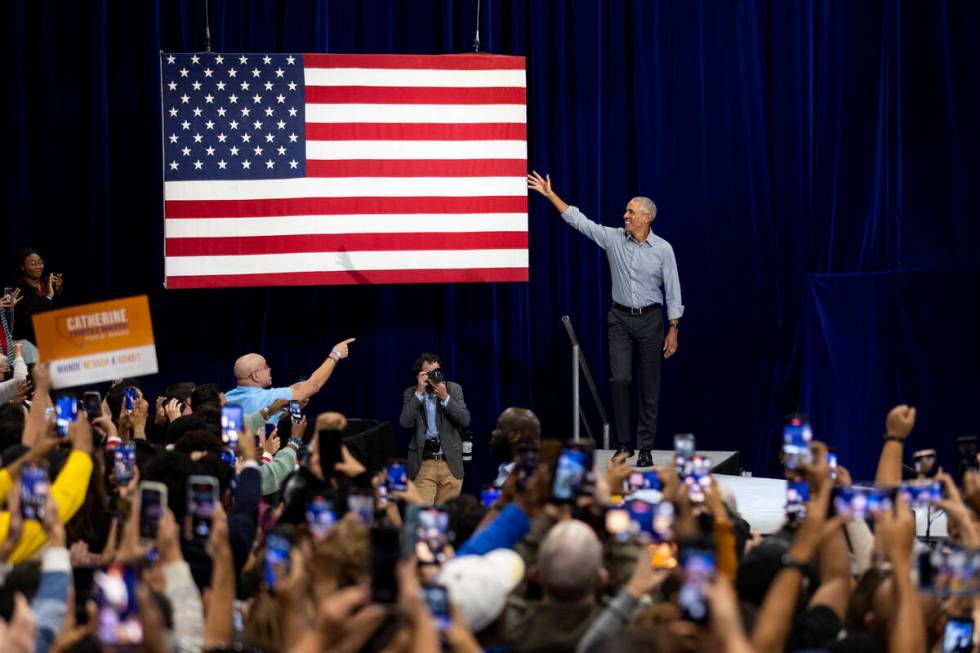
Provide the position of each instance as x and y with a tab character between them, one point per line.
233	116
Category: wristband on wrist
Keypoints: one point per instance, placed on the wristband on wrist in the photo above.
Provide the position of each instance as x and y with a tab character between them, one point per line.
789	562
296	443
893	438
334	351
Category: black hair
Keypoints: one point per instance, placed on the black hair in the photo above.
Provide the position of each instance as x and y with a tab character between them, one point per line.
23	578
11	425
465	513
211	464
198	440
24	253
180	391
210	414
171	468
425	357
206	393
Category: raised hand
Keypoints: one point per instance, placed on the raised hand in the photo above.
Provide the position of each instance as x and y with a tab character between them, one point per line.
331	421
895	531
349	465
141	411
900	421
80	434
441	391
271	444
541	184
342	349
173	409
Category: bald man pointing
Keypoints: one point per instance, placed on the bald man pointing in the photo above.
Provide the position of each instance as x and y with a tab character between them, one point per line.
254	376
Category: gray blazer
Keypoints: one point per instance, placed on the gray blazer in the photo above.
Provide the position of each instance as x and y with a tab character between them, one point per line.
451	420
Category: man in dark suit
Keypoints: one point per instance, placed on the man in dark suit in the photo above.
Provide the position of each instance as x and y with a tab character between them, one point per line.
436	409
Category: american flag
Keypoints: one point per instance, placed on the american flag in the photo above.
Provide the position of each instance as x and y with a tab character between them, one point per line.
313	169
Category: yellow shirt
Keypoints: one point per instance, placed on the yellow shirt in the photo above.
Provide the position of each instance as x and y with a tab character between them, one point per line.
68	491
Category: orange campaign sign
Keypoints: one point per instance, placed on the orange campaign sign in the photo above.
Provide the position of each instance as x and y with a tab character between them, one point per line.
97	342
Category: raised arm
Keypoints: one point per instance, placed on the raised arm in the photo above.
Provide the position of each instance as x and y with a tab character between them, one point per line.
895	531
898	425
597	233
543	186
311	386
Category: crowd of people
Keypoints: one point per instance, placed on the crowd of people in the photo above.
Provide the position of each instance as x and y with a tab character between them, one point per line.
207	520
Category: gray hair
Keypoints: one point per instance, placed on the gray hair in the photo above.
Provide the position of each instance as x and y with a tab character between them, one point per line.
647	205
569	561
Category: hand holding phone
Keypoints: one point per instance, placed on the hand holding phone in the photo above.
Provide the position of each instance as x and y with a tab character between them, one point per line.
385	552
276	558
231	425
202	497
329	445
153	501
796	442
93	405
119	623
958	635
396	478
320	517
489	496
34	489
431	535
437	600
684	450
123	463
66	412
699	573
129	398
573	464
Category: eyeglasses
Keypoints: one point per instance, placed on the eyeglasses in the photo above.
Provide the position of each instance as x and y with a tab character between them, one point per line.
34	263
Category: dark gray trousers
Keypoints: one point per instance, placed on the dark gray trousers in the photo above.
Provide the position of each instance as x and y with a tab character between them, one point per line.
644	336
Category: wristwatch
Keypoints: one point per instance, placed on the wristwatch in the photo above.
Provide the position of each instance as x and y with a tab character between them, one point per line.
675	325
296	443
893	438
787	561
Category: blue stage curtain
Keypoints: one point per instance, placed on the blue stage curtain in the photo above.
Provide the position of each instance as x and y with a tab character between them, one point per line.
779	138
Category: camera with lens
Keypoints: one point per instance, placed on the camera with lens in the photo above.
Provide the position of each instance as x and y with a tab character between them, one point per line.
437	376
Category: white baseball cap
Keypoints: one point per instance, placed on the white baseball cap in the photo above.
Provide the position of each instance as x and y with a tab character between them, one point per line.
479	585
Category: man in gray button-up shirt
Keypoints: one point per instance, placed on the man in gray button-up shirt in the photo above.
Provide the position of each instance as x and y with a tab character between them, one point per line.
640	263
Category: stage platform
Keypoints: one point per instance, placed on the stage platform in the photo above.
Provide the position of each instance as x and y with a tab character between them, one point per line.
722	462
761	501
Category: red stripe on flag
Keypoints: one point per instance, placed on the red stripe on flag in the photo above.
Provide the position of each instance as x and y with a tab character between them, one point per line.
382	131
355	277
415	62
361	242
342	206
413	95
418	168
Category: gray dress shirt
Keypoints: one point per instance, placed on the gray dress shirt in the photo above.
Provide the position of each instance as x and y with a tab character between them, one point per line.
638	270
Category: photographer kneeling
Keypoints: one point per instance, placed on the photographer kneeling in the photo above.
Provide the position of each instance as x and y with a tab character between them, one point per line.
436	409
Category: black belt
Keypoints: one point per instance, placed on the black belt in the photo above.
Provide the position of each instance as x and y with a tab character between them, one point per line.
433	456
635	311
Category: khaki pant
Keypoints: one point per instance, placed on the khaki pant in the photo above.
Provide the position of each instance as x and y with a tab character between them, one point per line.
436	483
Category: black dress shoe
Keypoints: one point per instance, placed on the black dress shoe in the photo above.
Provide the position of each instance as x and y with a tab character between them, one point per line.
623	452
645	459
